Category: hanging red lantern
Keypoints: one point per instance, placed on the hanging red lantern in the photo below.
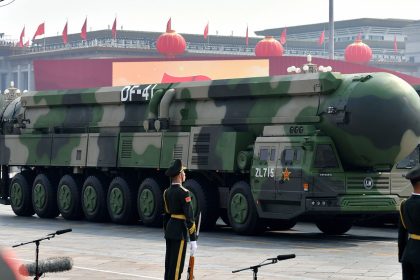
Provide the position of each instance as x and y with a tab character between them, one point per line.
171	44
358	52
268	47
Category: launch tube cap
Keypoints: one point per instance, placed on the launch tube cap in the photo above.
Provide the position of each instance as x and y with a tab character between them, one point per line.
175	168
414	175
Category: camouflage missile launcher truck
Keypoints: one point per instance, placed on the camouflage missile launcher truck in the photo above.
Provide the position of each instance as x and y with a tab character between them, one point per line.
260	152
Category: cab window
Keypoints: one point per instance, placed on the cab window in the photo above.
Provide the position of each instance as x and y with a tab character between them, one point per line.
410	161
291	156
264	154
267	154
325	157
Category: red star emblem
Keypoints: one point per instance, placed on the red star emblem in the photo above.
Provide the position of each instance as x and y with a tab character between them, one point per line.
286	175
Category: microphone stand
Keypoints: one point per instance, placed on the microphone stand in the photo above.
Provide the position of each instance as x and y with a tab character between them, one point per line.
255	267
37	241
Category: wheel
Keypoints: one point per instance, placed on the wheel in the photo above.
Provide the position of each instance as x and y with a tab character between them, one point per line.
150	202
203	200
120	201
281	224
335	225
242	212
21	195
94	199
69	198
44	197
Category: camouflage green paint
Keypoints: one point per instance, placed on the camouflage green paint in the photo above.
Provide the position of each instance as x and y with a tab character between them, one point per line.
211	122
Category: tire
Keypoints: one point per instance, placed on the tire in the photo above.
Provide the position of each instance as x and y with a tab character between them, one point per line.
44	197
150	202
20	192
242	213
69	197
203	200
94	204
334	225
120	201
281	224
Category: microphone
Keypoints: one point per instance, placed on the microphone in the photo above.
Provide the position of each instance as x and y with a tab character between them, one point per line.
283	257
48	265
58	232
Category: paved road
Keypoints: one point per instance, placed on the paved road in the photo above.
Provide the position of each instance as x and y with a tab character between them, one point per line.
114	252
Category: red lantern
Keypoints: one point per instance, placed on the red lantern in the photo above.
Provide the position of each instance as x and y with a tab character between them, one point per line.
268	47
358	52
171	44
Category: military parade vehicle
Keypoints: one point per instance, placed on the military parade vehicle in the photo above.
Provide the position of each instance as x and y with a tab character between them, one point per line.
261	152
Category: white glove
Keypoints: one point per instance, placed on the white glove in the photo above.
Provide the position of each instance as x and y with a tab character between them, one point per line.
193	247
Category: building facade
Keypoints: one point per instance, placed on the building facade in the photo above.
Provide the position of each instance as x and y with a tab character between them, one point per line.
395	45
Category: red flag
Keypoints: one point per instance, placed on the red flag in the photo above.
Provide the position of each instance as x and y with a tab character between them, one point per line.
395	44
83	34
22	34
321	38
114	29
206	31
39	31
64	34
283	36
27	44
169	25
246	38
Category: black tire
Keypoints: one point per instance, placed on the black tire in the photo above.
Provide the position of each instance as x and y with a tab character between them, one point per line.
121	202
150	202
242	211
281	224
44	197
334	225
20	191
69	197
94	199
206	202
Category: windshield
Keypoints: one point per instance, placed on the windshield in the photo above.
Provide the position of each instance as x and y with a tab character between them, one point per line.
410	161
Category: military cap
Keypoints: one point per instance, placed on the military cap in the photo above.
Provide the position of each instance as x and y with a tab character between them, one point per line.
413	175
175	168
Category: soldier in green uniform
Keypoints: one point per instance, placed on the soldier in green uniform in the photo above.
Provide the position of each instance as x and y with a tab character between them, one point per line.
409	230
178	222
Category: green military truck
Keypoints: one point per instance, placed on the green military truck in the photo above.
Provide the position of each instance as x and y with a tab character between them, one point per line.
260	152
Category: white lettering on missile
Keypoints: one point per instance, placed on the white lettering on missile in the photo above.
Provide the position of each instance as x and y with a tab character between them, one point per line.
124	93
133	90
129	93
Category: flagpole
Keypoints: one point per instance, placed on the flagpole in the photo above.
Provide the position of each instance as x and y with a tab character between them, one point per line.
44	37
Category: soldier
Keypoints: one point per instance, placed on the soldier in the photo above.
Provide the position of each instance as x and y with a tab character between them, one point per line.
178	222
409	230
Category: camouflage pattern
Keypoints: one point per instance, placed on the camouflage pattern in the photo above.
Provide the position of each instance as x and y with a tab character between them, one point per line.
309	143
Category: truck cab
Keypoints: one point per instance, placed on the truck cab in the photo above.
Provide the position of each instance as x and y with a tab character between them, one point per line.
297	171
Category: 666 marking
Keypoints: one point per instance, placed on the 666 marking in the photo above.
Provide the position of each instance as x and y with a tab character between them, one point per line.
265	172
137	93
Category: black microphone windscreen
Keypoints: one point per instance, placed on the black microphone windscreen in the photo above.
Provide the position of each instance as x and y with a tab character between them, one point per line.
48	265
285	257
58	232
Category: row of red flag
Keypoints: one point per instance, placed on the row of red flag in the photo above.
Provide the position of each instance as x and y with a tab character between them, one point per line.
283	36
83	33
